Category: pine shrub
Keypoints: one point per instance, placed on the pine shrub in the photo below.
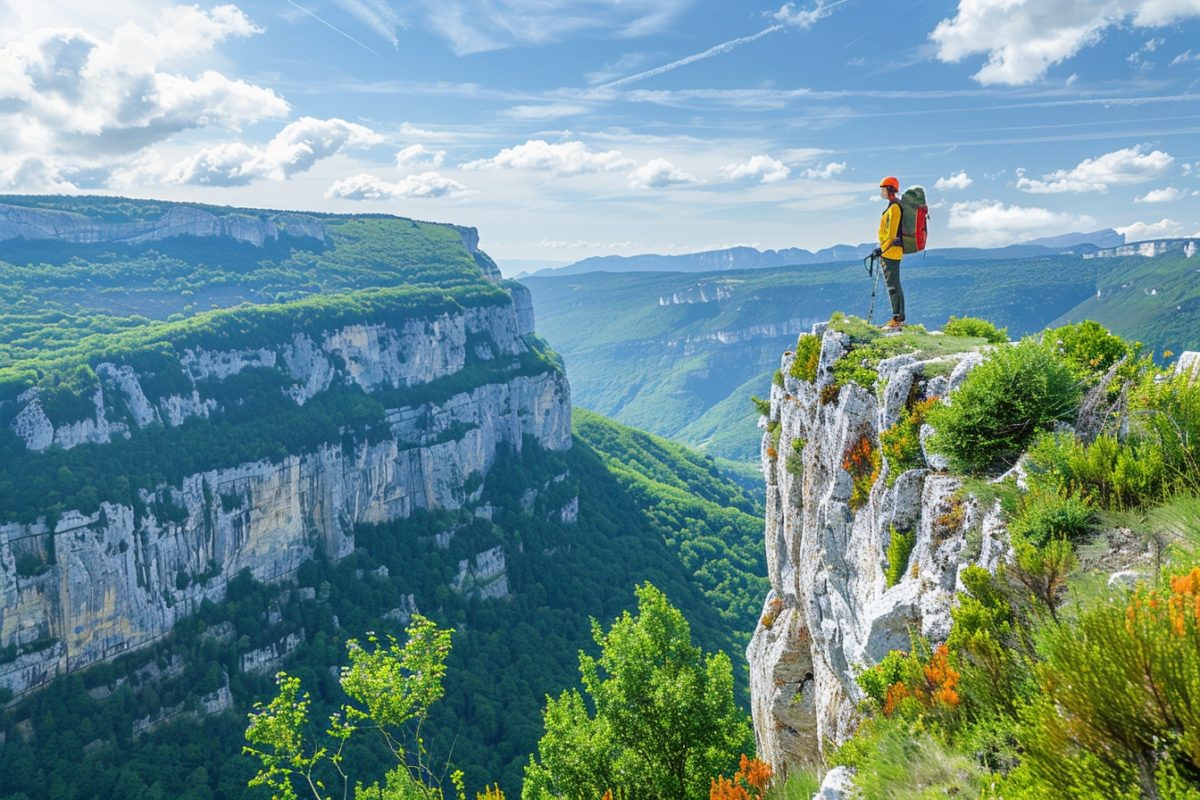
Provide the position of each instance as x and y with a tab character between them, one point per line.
1002	405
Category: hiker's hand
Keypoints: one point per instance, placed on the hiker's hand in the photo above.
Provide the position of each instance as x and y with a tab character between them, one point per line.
877	252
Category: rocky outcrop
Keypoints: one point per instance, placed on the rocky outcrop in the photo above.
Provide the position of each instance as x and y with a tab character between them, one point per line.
830	612
409	354
21	222
1148	249
117	579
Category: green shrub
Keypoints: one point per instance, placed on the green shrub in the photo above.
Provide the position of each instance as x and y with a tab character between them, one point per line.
1171	420
899	549
975	328
1119	714
896	667
1045	514
808	357
1088	348
901	443
795	459
777	379
763	407
1002	405
855	367
1112	474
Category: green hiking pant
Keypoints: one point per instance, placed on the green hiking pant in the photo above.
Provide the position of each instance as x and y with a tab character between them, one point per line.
891	277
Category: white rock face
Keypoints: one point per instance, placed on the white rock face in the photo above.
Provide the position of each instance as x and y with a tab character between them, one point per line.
41	223
121	581
830	612
484	576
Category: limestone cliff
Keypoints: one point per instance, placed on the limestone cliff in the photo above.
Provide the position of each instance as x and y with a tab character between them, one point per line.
119	577
830	611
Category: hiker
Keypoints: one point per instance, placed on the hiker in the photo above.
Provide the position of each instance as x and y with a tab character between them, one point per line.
891	250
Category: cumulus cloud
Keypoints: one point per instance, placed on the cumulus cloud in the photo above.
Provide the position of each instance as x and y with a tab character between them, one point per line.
1024	39
1121	167
990	222
293	150
789	14
658	173
826	172
33	174
563	158
1161	195
762	167
368	187
419	154
959	180
1163	229
80	103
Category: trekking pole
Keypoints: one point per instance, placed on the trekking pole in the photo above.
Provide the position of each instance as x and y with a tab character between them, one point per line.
871	264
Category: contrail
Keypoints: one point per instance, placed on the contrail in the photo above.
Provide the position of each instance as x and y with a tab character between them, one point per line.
331	27
709	53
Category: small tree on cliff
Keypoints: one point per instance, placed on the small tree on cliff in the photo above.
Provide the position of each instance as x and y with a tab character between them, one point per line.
665	720
391	686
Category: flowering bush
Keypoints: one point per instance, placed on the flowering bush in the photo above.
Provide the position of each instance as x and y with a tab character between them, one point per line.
863	463
750	782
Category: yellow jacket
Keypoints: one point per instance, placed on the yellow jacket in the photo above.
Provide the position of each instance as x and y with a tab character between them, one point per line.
889	233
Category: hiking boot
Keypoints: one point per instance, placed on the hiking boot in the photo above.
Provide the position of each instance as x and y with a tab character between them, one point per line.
893	325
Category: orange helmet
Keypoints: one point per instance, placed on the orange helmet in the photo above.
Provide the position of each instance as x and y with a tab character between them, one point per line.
891	183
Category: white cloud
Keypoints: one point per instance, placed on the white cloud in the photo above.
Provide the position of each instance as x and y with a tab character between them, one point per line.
803	155
1121	167
33	174
1185	57
544	112
293	150
959	180
986	223
658	173
1141	231
85	104
826	172
368	187
763	167
416	154
789	14
377	15
1023	40
564	158
476	26
1160	195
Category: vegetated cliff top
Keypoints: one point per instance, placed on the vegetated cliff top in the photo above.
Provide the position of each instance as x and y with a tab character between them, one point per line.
104	273
996	569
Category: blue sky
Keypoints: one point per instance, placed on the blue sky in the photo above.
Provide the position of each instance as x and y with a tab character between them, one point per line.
568	129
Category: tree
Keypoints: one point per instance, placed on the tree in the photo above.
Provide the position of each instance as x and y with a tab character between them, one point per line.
665	720
392	685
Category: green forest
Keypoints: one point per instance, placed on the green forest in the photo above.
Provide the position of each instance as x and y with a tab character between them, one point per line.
76	740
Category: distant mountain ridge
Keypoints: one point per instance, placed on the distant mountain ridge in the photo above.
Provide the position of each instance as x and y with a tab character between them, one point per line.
751	258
